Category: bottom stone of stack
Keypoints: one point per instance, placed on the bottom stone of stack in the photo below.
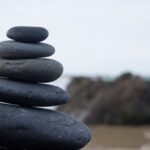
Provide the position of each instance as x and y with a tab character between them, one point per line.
36	128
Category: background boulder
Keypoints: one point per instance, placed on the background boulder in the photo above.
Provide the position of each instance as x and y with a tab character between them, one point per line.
125	100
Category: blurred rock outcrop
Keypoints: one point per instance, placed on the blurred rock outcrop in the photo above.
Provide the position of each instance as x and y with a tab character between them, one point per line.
125	100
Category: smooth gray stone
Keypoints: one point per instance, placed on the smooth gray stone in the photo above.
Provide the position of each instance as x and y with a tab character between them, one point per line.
31	70
31	94
28	34
18	50
39	128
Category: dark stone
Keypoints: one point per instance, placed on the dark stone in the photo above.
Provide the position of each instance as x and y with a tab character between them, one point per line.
31	94
40	128
18	50
28	34
31	70
13	148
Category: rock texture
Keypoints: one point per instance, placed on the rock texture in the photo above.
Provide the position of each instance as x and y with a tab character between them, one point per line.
31	70
28	34
18	50
125	100
40	128
31	94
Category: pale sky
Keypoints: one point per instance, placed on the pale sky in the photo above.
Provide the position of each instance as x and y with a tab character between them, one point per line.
91	37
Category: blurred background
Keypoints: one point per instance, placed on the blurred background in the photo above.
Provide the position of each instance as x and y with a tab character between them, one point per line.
104	48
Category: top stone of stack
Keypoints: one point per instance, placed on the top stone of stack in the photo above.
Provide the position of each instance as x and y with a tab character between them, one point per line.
27	34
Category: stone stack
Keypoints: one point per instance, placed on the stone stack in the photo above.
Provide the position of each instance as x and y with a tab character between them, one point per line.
23	72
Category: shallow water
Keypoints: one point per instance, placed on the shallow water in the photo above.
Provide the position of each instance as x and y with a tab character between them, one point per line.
119	138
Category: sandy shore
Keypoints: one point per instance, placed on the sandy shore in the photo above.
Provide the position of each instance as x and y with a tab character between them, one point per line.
119	138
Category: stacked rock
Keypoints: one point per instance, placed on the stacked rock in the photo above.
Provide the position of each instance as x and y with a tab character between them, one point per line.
23	72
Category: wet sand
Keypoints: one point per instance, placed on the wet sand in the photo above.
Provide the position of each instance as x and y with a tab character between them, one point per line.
119	138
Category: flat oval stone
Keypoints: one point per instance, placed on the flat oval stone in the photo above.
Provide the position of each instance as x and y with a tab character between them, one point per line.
31	70
31	94
40	128
28	34
18	50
